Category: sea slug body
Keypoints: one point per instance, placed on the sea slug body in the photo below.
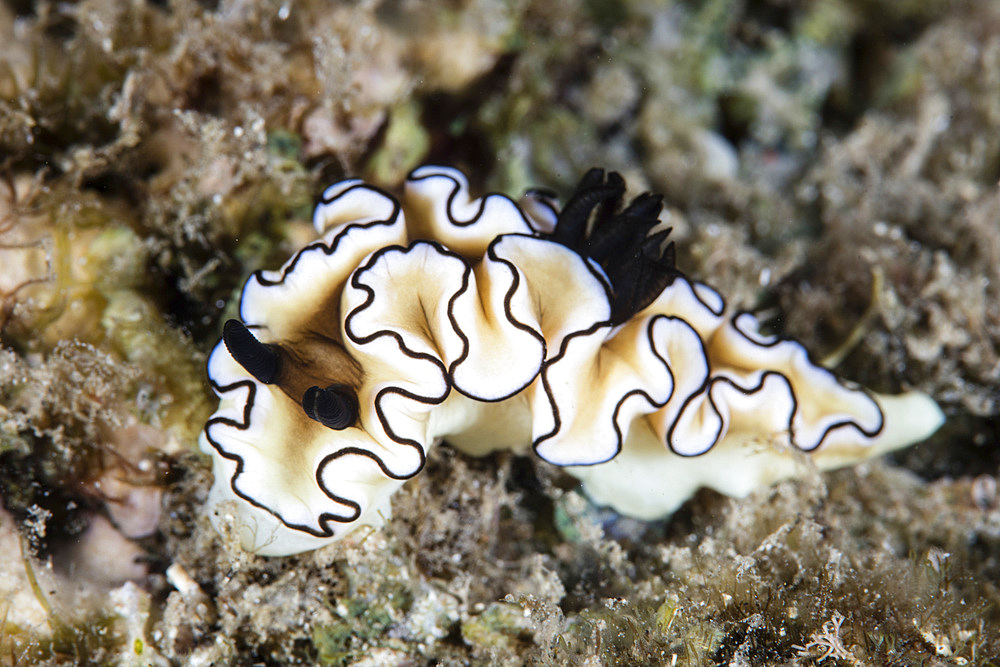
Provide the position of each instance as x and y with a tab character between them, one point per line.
491	324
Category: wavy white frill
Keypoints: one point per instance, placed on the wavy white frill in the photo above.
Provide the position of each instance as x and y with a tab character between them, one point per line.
471	325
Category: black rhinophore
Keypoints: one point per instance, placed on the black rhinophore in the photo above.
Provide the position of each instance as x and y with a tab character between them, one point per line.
639	265
335	407
258	359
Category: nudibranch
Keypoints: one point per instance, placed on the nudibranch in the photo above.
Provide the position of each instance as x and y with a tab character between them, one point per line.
492	323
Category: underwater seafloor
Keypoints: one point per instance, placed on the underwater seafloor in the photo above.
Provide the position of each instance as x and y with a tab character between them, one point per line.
831	165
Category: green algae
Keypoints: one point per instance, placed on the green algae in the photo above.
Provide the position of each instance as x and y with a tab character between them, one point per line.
500	628
403	148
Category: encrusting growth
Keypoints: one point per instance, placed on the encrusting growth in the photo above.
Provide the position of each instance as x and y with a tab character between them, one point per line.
491	324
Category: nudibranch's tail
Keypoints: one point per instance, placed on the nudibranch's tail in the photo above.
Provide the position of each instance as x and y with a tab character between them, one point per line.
644	483
907	418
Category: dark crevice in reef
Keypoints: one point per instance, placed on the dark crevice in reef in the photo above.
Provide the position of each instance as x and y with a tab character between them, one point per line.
55	513
872	56
456	138
966	446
